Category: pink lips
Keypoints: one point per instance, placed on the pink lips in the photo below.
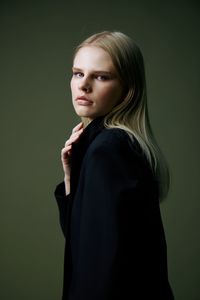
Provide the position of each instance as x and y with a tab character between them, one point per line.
82	100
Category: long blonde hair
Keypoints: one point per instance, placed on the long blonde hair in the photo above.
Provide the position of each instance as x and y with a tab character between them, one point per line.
131	114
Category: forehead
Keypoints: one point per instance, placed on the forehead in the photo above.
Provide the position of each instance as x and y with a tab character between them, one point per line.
92	57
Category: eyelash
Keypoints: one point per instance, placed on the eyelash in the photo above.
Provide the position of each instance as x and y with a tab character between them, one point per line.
103	77
76	74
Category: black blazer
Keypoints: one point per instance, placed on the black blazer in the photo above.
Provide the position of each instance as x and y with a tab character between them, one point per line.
115	242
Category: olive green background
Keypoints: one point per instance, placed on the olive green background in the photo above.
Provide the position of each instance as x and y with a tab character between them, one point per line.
37	41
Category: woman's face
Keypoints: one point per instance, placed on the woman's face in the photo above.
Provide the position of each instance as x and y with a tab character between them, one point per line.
95	84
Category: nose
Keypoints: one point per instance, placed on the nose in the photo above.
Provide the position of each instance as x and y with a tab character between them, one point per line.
85	85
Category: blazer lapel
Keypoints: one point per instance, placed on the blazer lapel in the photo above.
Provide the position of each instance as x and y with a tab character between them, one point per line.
79	149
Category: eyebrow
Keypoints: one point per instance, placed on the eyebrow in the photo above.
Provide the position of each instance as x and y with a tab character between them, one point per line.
96	72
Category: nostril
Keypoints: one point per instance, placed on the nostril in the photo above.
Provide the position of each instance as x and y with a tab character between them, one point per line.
85	87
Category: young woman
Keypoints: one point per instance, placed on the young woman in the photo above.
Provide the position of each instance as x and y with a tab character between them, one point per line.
114	177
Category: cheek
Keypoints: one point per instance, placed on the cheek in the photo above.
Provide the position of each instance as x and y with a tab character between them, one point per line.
111	95
72	85
106	92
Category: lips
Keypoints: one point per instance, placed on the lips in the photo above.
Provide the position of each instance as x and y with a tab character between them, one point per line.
82	100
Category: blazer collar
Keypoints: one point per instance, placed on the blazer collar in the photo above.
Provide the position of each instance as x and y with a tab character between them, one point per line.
91	131
80	147
88	135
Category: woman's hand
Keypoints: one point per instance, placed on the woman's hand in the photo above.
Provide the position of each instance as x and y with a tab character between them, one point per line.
66	153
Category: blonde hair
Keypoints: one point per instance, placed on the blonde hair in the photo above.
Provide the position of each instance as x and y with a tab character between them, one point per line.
131	114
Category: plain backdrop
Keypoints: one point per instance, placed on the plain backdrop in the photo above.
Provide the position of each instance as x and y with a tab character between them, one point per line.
37	43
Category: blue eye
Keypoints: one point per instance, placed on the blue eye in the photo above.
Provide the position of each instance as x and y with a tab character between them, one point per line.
102	77
78	74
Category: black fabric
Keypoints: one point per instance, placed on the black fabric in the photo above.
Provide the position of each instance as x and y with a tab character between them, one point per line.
115	242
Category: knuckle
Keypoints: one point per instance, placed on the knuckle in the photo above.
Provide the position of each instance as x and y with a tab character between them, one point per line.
67	143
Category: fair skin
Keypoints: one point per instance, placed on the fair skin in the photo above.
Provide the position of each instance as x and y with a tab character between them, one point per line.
96	88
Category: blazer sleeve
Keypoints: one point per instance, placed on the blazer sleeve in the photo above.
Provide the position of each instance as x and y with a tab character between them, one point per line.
63	205
112	220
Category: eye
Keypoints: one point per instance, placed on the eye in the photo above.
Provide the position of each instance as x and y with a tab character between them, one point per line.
102	77
78	74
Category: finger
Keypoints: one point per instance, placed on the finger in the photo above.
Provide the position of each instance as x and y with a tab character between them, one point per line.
72	139
77	127
66	150
76	134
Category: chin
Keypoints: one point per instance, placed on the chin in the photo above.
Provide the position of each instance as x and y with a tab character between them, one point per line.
83	114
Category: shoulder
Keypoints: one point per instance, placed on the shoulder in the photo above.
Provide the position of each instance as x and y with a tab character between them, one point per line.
114	139
114	151
114	145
